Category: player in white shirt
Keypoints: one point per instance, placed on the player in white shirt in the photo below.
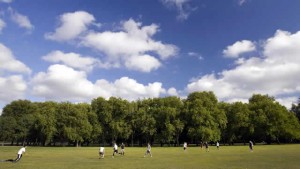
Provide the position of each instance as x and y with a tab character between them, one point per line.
101	152
148	150
184	146
115	150
20	152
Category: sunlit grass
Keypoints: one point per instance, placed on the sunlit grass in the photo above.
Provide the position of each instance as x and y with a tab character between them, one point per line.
231	157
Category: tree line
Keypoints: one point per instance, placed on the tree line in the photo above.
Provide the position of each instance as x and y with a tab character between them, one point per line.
170	121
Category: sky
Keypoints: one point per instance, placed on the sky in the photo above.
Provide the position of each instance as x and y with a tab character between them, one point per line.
78	50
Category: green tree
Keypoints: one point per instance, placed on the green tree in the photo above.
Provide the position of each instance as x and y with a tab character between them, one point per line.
45	125
102	109
292	128
96	127
145	121
148	128
7	128
239	127
87	128
112	116
23	113
205	119
272	121
72	123
120	111
166	112
296	109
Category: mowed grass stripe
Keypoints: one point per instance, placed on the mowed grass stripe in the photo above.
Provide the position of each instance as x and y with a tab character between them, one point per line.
228	157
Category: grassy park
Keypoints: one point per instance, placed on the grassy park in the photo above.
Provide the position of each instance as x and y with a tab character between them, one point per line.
228	157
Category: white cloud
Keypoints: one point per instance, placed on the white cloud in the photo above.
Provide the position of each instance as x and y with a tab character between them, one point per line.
71	26
130	89
21	20
144	63
73	60
182	6
172	92
2	25
210	83
69	85
276	73
73	85
9	63
12	85
11	88
239	48
134	41
284	46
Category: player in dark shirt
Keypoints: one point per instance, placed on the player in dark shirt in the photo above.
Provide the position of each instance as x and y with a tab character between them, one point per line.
122	149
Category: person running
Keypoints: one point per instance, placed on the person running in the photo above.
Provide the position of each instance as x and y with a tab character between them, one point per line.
19	156
148	150
206	146
122	149
101	152
218	145
251	146
20	152
115	150
184	146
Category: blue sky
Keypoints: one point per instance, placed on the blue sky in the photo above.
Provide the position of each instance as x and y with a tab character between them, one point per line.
77	50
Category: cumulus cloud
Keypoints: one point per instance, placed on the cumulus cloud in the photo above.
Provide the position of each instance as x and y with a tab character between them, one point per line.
21	20
9	63
11	88
144	63
2	25
73	85
276	73
238	48
69	85
71	26
182	6
130	89
133	41
172	92
73	60
12	84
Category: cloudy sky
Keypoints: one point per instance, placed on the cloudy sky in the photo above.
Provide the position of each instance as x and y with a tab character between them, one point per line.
77	50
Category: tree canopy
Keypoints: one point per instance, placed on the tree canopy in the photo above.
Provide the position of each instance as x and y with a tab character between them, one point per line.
170	120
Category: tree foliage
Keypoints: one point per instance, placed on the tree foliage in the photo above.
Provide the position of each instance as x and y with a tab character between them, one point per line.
205	119
169	120
239	126
272	121
296	109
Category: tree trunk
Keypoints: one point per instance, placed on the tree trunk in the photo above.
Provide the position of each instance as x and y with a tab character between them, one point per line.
132	139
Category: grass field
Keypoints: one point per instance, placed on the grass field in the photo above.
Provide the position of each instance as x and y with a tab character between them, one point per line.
228	157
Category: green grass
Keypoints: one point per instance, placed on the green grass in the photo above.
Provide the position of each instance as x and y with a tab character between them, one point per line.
228	157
